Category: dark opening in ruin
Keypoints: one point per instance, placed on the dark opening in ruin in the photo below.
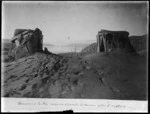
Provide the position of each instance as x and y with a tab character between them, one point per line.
109	41
102	48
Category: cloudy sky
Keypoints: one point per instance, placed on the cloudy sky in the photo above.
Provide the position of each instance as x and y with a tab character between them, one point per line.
73	22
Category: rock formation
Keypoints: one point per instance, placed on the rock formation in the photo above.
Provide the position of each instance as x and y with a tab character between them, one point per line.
26	42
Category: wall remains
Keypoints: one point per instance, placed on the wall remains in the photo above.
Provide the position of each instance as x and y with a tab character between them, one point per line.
27	42
109	40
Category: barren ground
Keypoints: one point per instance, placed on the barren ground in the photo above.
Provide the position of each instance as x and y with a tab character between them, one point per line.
113	75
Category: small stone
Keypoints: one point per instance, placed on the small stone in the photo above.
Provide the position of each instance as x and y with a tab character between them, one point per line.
81	73
87	67
41	89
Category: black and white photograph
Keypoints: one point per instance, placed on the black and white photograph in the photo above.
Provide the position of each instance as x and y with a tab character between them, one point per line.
74	51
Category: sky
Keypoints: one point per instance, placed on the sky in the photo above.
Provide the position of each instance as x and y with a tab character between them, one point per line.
74	22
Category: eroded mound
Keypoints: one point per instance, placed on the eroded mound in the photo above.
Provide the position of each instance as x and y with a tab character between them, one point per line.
42	75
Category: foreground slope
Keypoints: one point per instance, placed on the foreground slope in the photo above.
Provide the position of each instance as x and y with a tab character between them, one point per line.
113	75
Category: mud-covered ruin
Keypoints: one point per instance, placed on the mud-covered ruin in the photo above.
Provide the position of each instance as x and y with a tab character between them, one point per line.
26	42
109	40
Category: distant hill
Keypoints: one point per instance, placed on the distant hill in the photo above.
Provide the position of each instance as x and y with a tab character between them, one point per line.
77	45
139	42
48	45
90	49
6	41
142	36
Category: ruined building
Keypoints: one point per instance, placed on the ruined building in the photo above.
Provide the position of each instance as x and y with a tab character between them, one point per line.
26	42
109	40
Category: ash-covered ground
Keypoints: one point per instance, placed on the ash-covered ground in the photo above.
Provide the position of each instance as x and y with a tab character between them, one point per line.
115	75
